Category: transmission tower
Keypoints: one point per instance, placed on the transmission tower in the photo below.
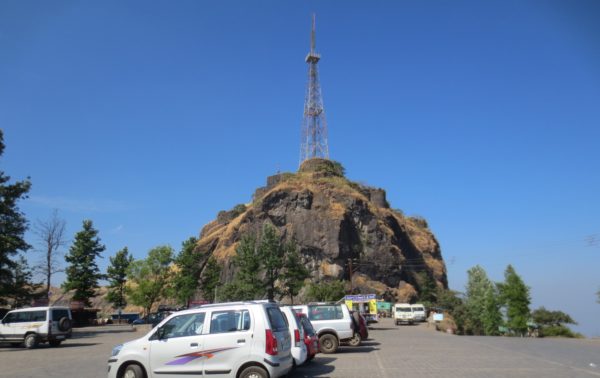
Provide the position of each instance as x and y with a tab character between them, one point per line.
314	125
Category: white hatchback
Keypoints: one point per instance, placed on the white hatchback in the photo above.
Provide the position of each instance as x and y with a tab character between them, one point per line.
299	351
241	339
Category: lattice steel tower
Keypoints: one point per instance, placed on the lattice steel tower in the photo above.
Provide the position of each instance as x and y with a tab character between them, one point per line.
314	125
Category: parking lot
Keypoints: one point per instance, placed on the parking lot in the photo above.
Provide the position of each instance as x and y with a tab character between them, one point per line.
391	352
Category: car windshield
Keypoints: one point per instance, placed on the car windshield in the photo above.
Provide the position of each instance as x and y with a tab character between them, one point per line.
403	309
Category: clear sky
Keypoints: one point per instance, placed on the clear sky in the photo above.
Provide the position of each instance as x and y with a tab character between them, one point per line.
481	116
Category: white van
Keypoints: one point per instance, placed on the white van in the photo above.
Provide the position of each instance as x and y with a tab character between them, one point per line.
299	352
418	312
34	325
403	313
239	339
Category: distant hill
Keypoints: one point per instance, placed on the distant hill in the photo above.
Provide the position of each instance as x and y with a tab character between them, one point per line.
332	220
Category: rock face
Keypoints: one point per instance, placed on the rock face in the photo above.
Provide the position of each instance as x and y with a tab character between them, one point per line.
333	220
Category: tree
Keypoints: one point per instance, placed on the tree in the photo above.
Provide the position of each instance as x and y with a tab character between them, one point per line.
482	308
514	295
427	289
326	291
186	279
272	252
116	274
553	323
22	290
210	279
246	284
51	237
295	272
149	278
83	272
12	226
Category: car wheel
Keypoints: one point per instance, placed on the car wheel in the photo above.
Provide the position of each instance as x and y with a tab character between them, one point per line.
355	340
328	343
54	343
64	324
254	372
31	341
133	371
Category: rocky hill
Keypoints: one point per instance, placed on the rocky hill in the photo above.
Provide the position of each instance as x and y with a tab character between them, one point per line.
332	220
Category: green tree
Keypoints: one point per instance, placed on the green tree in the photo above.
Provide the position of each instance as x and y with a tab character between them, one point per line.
482	308
210	279
149	278
427	289
22	289
247	284
452	302
116	274
295	272
514	295
186	281
326	291
12	227
553	323
271	252
83	272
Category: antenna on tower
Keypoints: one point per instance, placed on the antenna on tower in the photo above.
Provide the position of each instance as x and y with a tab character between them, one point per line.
313	142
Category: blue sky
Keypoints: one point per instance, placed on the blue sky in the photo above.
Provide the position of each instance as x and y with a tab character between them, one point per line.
483	117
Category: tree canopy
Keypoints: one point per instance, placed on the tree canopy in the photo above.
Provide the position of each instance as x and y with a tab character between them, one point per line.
149	278
116	274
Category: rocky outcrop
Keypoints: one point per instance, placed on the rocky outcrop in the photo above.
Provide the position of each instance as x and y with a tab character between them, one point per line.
333	220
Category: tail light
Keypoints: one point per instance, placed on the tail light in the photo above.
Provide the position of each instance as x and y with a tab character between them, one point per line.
297	337
270	343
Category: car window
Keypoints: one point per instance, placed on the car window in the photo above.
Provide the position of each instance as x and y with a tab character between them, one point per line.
26	316
325	312
11	318
183	325
308	328
58	314
276	319
229	321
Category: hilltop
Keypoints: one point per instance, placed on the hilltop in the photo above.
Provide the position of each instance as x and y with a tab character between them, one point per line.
333	219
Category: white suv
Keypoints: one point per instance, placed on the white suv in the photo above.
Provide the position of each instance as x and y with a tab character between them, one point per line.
240	339
332	322
35	325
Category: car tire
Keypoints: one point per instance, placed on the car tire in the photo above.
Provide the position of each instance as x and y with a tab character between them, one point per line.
355	340
31	341
64	324
254	372
328	343
133	371
54	343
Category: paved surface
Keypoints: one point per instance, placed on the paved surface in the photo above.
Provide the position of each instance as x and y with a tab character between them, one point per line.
417	351
404	351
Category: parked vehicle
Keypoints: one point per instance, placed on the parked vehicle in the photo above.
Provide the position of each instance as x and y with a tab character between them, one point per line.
332	323
34	325
299	352
403	314
236	340
419	312
311	339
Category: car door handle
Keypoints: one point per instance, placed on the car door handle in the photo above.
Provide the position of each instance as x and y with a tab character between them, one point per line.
241	341
194	345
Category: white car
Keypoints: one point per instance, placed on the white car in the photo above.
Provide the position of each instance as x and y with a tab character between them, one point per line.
34	325
403	313
332	322
236	340
418	312
299	352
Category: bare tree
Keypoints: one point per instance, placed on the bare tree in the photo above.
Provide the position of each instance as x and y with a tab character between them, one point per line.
51	237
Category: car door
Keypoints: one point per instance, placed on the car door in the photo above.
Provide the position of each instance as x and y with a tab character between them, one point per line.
229	341
176	348
7	328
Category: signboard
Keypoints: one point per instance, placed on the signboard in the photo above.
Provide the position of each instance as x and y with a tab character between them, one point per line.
360	298
438	317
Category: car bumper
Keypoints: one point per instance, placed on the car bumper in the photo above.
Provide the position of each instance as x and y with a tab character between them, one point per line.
278	367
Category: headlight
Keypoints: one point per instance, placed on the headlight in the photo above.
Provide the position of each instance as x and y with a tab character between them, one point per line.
116	350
